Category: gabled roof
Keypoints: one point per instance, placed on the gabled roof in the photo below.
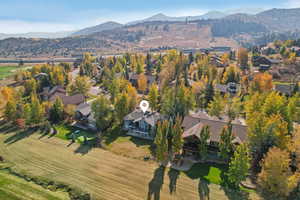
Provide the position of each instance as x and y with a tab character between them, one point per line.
192	125
149	117
84	109
68	100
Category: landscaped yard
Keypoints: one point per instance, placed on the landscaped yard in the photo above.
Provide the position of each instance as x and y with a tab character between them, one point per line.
107	175
65	132
6	71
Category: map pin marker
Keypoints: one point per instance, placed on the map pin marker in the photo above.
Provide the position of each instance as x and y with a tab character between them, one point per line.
144	105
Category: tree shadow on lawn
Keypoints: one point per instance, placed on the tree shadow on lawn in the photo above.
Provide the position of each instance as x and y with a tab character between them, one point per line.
86	147
173	176
20	135
155	185
7	127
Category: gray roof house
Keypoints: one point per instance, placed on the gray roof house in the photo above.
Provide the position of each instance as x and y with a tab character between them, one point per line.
142	125
84	117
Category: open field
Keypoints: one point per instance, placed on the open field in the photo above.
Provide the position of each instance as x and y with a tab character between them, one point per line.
14	188
104	174
9	70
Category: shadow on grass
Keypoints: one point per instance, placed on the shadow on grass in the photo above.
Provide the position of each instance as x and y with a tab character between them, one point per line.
20	135
203	189
7	127
173	176
86	147
155	185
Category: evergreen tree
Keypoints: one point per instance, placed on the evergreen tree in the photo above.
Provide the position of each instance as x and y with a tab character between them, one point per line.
57	111
203	141
225	144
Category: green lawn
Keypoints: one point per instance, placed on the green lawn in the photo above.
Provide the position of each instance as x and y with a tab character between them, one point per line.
6	71
65	132
14	188
210	172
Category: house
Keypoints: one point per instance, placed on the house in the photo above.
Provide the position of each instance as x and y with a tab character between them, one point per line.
76	99
231	88
285	89
296	50
84	116
264	67
262	60
133	78
140	124
216	61
49	92
193	124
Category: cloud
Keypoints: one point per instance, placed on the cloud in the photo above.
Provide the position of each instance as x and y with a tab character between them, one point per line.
293	3
18	26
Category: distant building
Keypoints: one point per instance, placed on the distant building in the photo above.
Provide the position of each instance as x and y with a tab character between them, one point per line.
231	88
286	89
262	60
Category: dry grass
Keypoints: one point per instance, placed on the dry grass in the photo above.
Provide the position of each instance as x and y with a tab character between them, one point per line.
102	173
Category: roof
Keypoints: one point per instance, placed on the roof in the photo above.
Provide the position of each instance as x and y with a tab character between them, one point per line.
84	109
69	100
286	89
193	124
134	76
149	117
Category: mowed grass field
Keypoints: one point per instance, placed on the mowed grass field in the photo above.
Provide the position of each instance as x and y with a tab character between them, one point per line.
14	188
106	175
9	70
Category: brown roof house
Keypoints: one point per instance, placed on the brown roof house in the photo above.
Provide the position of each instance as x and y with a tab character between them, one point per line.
193	124
59	91
140	124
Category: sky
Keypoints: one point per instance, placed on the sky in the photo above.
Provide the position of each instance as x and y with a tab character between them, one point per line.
21	16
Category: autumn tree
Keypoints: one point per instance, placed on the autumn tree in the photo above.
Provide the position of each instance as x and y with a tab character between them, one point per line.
30	86
154	97
132	95
276	179
36	111
102	112
242	58
204	141
81	85
142	83
10	111
262	82
122	106
216	107
239	165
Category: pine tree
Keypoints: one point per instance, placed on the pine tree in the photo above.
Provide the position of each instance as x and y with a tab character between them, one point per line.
57	111
239	165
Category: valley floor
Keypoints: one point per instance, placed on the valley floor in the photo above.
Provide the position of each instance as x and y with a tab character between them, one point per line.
104	174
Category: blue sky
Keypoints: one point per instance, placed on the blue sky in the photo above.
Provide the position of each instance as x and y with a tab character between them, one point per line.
56	15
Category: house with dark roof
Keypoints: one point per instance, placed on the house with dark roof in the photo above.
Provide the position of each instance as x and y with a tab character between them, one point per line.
285	89
85	117
230	88
140	124
262	60
193	124
133	78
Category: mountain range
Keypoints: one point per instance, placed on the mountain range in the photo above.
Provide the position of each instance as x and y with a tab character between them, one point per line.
161	31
